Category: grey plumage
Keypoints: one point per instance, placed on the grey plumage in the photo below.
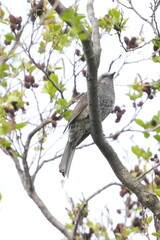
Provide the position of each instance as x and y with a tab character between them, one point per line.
79	123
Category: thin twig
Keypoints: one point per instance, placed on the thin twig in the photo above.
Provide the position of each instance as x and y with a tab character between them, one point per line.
86	202
95	30
32	133
146	172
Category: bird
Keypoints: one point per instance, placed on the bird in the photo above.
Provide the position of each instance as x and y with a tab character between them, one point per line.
79	122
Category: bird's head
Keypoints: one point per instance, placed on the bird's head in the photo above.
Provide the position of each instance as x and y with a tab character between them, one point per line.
106	76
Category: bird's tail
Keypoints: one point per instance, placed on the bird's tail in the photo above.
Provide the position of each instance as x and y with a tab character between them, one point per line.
67	157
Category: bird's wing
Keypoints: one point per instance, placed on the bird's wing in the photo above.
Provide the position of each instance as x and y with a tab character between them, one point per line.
79	108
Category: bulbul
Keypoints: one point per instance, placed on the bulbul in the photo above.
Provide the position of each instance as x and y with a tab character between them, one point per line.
79	123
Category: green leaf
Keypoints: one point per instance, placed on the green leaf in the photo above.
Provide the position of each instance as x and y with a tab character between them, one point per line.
49	89
69	226
3	69
76	22
156	43
0	196
156	59
4	127
140	152
140	122
42	46
67	114
29	67
16	96
2	14
4	143
157	192
125	21
54	78
157	137
146	134
156	234
9	37
16	154
19	125
136	90
149	219
138	208
134	95
115	13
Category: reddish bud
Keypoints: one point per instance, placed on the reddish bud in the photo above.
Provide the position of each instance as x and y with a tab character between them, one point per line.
157	181
136	168
123	111
84	73
137	222
9	110
119	228
12	19
155	48
27	84
77	52
55	117
128	214
132	41
32	80
54	123
7	42
150	96
146	88
27	78
83	59
117	109
35	85
126	40
140	104
119	211
14	104
13	27
157	172
134	104
15	20
23	109
18	20
153	123
123	191
19	27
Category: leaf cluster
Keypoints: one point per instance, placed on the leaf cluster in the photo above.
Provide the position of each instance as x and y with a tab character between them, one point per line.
113	20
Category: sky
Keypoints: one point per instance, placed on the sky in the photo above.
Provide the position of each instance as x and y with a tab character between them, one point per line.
19	216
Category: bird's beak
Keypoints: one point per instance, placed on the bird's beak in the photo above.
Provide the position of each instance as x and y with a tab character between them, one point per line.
112	74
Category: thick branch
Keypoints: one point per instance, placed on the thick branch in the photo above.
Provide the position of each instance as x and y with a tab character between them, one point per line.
33	195
146	198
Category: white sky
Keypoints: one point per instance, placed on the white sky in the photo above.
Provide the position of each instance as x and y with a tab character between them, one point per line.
19	217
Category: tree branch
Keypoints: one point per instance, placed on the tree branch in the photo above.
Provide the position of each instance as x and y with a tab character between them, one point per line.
79	215
151	23
95	30
146	198
33	195
32	133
